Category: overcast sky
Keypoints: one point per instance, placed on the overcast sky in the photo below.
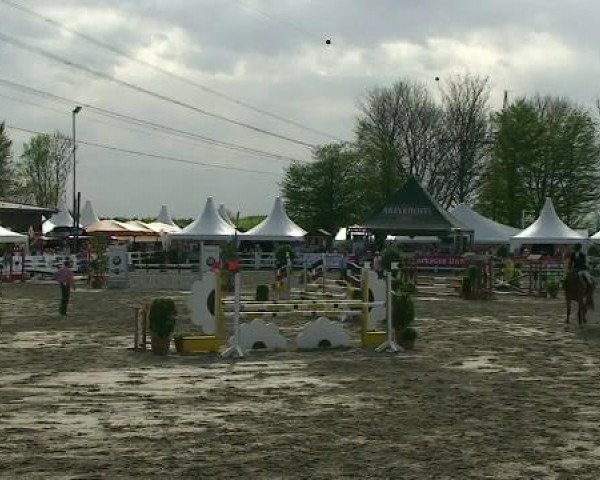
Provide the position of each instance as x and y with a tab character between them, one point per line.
270	54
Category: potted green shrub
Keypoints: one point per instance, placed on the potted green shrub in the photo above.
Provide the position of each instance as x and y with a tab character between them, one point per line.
465	287
162	317
262	293
178	341
552	287
403	314
407	338
408	287
390	255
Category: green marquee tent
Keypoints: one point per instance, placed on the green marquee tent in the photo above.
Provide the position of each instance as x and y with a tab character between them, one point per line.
411	211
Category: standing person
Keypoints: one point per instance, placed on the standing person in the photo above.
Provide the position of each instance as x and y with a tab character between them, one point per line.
66	281
378	264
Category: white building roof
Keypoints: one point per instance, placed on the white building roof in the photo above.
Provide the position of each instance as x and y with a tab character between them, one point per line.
208	226
276	227
485	230
548	229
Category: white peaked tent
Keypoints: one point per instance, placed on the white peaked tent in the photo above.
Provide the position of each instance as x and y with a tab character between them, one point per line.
547	229
340	236
8	236
61	219
486	231
163	223
208	226
164	216
88	216
225	216
276	227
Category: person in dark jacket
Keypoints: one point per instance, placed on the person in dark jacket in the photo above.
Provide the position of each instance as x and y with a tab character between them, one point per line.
66	281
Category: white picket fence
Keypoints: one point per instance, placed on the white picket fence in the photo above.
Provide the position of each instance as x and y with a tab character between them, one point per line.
47	265
246	261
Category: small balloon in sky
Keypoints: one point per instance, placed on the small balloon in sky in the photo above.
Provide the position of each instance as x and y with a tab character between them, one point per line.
437	79
328	42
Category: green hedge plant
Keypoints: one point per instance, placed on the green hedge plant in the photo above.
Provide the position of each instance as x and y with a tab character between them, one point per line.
162	317
262	293
403	311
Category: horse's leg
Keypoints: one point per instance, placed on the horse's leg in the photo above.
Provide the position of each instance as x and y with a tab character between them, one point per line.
590	297
581	311
568	307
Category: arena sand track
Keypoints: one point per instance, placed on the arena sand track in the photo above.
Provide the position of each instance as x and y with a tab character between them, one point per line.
494	390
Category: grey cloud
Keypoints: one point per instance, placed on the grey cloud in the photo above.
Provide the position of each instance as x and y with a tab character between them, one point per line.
285	71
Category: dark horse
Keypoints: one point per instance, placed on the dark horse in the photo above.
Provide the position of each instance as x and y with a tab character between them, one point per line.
580	291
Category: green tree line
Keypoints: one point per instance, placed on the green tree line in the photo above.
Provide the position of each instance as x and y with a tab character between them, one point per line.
40	174
503	162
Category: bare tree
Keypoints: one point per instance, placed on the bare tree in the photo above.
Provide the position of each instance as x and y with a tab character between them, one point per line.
398	134
44	168
465	134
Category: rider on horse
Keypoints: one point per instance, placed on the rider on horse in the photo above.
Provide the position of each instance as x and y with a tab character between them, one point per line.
578	262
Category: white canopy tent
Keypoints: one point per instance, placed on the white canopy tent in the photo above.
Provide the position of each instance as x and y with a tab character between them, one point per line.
88	216
108	227
340	236
485	230
208	226
135	226
277	227
8	236
164	216
163	223
61	219
225	216
548	229
595	237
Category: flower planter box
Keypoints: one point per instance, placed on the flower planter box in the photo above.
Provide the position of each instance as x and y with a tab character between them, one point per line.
373	338
160	345
191	344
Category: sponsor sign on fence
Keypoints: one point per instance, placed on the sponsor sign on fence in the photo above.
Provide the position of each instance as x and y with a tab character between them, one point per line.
441	261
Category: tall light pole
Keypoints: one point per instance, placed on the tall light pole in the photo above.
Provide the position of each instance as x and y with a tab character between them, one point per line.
76	110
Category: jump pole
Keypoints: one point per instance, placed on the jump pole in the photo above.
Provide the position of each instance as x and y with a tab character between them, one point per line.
390	344
305	274
235	350
288	269
324	271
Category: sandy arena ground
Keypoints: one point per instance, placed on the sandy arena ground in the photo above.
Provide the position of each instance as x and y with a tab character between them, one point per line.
494	390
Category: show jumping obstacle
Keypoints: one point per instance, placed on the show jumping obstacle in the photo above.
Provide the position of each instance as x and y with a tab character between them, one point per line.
321	331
